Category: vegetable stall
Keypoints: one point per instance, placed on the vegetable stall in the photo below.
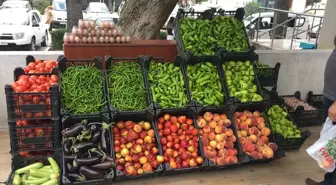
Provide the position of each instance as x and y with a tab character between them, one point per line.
94	122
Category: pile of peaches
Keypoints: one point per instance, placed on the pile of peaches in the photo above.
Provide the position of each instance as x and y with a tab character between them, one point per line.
179	140
253	135
135	148
217	138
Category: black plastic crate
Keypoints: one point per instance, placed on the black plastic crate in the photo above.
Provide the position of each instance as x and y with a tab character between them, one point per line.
20	162
315	99
189	113
268	77
109	62
289	143
183	52
235	57
64	64
32	105
109	175
178	63
303	117
269	94
34	135
228	110
147	116
262	108
214	61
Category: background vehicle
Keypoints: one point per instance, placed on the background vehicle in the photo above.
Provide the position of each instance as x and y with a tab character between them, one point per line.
16	4
59	14
22	28
95	10
104	19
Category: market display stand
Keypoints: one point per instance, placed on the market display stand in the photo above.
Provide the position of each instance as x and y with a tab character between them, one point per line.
155	48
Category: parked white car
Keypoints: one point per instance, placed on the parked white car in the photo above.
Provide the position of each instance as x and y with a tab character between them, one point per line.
96	10
59	13
16	4
22	28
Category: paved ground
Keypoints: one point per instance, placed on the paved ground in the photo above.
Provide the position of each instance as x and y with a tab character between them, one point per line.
291	170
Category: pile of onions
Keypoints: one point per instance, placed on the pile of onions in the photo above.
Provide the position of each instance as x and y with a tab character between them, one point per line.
87	32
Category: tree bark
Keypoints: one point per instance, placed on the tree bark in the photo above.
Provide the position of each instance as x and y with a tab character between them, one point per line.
74	13
143	19
280	17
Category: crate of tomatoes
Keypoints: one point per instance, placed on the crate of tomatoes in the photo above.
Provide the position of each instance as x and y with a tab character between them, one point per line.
33	96
34	135
39	66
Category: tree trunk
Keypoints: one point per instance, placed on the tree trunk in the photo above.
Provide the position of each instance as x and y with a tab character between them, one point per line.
280	17
74	13
143	19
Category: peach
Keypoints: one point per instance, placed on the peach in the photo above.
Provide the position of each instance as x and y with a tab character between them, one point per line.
189	121
120	124
267	152
173	119
208	116
232	139
220	161
207	154
222	152
124	133
128	158
191	149
166	117
229	145
253	138
264	139
160	126
173	164
129	124
185	127
170	144
192	162
137	148
243	133
247	113
147	167
254	155
227	123
161	120
237	114
142	134
243	125
260	120
243	117
199	160
169	152
137	128
147	125
261	125
260	142
230	152
139	141
201	123
124	152
151	133
256	113
229	132
148	139
155	150
220	137
219	129
213	144
249	121
130	170
118	155
211	136
266	132
216	117
220	122
212	124
173	128
250	147
182	119
223	116
220	146
273	146
175	154
183	144
206	129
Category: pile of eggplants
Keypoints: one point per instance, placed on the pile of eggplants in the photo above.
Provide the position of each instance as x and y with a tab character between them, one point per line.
86	148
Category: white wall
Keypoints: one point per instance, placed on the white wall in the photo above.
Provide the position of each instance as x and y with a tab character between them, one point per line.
300	70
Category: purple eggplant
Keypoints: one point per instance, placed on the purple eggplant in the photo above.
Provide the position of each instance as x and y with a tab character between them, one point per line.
71	168
84	146
90	173
104	165
96	136
74	130
87	161
74	177
67	146
105	137
69	158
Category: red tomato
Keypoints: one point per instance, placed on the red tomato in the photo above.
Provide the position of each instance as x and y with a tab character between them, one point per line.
39	131
42	78
19	123
36	100
21	88
38	61
32	81
31	65
49	66
23	154
54	78
38	114
24	123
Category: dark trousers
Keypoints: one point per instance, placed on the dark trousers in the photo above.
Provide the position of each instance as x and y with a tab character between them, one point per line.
329	178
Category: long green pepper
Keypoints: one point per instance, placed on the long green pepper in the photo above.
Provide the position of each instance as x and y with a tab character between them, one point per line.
205	84
82	90
167	85
126	86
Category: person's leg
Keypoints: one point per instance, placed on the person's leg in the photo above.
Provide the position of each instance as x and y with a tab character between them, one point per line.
326	104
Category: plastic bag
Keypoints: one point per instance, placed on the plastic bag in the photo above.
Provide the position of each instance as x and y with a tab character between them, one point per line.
328	124
324	149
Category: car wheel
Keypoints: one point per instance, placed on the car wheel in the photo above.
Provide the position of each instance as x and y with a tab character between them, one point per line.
45	40
32	45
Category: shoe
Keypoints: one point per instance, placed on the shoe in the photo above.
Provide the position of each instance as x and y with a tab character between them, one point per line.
310	181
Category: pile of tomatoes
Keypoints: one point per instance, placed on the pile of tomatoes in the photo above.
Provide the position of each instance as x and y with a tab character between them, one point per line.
41	66
34	83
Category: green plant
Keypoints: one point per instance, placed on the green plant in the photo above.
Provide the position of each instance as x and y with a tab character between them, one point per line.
163	35
57	39
40	5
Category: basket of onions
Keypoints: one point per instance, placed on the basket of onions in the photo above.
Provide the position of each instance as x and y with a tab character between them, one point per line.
87	32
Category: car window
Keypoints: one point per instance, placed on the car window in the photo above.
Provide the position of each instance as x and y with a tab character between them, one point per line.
266	23
37	18
59	6
34	20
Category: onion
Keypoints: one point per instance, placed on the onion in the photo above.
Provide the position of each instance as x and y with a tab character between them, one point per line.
84	40
111	25
66	38
79	32
118	40
71	39
74	30
128	39
92	24
97	33
110	33
112	40
77	39
87	24
85	32
81	23
123	40
119	33
106	24
101	25
95	40
114	32
101	40
107	39
89	39
93	32
102	33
